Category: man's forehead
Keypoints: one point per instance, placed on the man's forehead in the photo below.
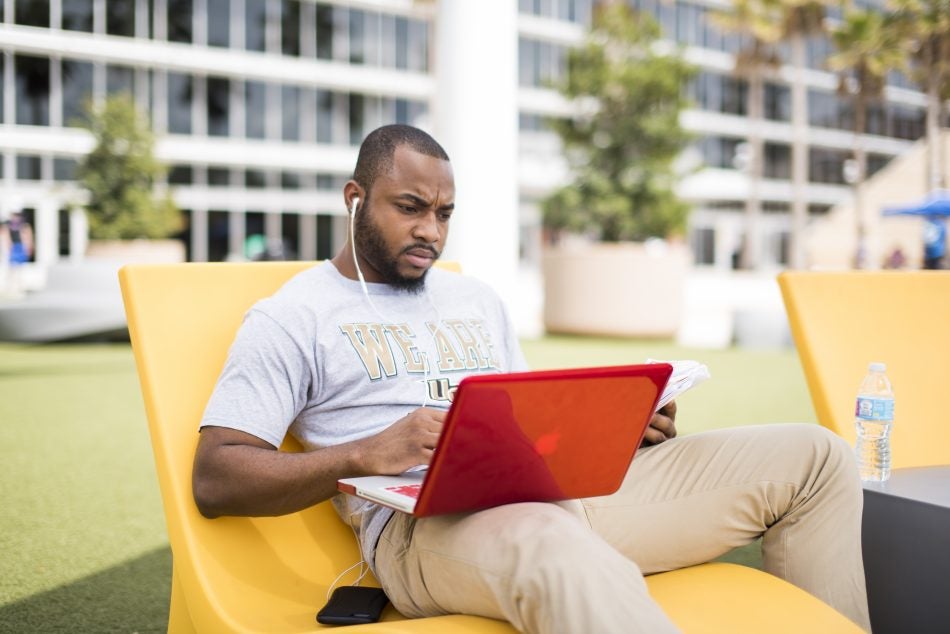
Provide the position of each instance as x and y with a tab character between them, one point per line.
417	170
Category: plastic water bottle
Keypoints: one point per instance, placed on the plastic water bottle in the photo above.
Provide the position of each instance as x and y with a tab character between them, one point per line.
873	417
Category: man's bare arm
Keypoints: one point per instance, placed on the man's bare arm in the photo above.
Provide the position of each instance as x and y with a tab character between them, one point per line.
236	473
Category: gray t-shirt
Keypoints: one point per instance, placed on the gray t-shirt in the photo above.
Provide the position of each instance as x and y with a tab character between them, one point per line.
321	361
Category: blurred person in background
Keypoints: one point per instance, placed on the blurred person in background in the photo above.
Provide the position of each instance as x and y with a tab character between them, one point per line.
935	243
16	242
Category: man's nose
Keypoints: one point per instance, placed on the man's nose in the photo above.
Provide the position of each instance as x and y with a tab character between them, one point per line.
427	228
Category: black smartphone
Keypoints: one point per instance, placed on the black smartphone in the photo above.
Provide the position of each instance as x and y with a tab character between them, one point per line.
350	605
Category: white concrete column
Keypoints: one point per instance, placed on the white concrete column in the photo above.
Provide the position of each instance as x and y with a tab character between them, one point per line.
475	118
46	233
308	237
78	234
199	235
236	234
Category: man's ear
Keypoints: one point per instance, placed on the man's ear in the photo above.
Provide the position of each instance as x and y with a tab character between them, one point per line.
353	195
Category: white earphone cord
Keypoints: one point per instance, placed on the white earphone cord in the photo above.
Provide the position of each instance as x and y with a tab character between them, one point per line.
364	568
359	274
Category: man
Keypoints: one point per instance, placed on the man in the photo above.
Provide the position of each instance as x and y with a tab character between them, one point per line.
350	369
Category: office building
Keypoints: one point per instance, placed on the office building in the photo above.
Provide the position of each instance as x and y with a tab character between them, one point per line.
259	106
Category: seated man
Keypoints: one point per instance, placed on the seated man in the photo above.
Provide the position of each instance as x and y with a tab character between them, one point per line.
345	365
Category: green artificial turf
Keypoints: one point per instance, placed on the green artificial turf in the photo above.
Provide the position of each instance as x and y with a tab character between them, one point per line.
82	535
81	527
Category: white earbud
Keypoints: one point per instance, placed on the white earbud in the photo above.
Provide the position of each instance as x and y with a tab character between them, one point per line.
353	204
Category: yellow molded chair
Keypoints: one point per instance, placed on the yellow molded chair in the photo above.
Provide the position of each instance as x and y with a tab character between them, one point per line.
841	322
270	575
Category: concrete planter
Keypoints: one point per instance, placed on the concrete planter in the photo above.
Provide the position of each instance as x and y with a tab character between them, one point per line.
627	289
137	251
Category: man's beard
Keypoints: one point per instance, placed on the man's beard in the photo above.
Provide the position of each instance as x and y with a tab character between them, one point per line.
371	246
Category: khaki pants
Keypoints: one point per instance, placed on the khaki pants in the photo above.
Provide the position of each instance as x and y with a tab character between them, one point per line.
578	566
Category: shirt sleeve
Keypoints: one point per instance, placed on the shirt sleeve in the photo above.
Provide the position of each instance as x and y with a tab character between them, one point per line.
264	383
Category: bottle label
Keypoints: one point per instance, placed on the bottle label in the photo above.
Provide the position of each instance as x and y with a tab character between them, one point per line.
874	408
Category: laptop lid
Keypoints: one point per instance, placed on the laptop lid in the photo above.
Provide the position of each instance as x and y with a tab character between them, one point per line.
537	436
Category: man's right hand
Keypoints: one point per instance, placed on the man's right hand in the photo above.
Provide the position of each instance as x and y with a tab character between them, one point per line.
236	473
408	442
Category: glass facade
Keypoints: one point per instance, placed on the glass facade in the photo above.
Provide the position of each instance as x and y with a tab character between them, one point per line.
77	15
219	105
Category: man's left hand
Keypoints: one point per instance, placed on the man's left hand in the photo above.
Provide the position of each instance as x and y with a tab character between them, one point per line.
662	427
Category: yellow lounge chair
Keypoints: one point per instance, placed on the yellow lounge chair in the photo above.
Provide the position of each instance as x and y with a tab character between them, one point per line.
841	322
270	575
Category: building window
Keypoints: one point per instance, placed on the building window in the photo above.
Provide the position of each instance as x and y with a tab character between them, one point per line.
64	169
826	110
719	151
818	48
255	110
77	15
290	27
181	175
255	25
540	63
324	31
290	113
120	79
876	120
324	116
77	91
180	20
28	167
402	43
32	12
357	37
219	106
827	165
719	93
254	179
357	118
219	23
778	102
703	242
907	122
290	180
32	79
180	92
120	17
418	46
219	177
778	161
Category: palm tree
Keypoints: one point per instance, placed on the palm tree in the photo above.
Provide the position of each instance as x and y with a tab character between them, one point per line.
926	28
801	19
757	22
868	47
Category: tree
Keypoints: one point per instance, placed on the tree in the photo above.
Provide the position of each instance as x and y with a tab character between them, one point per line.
925	25
621	149
801	19
868	48
757	22
120	173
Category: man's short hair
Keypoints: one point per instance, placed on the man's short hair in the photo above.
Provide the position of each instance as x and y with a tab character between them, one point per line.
376	152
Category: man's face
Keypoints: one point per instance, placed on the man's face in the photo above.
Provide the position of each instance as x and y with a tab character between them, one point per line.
401	229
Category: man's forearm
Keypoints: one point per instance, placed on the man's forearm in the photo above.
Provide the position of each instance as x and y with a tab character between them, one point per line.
241	479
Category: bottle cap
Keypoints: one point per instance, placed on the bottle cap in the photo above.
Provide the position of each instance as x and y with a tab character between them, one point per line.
877	367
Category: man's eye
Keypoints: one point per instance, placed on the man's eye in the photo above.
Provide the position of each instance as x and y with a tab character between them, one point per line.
445	217
408	209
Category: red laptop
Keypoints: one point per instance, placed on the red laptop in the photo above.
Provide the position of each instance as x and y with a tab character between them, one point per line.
528	437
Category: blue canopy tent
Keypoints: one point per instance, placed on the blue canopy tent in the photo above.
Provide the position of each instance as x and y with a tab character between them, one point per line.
936	204
934	208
